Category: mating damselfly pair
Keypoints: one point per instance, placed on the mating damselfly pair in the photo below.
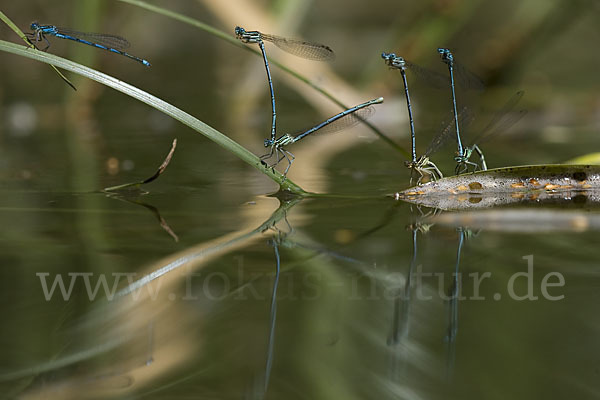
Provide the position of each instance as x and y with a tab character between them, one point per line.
501	121
311	51
422	165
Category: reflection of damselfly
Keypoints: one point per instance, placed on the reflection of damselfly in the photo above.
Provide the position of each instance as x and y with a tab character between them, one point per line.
112	43
273	314
400	319
300	48
339	121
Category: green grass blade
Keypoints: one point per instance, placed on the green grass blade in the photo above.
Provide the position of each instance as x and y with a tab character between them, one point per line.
158	104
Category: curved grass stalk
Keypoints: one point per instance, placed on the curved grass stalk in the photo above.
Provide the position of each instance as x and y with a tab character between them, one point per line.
160	105
232	40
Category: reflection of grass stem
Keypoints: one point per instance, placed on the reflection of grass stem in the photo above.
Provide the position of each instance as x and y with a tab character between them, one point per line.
191	258
163	223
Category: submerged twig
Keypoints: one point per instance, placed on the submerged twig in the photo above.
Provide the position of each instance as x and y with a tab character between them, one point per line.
158	172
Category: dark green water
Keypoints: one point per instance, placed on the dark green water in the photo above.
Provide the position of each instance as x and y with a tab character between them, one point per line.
344	314
190	265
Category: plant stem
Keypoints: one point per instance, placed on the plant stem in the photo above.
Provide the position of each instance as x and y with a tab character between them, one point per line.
161	105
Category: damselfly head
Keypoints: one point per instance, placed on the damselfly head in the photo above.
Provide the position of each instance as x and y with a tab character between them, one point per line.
268	142
34	26
447	56
387	56
247	36
408	164
393	60
239	31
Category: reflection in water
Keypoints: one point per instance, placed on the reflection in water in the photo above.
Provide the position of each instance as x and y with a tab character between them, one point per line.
163	223
281	240
138	334
402	299
402	303
401	312
453	297
271	341
259	391
525	220
400	320
218	345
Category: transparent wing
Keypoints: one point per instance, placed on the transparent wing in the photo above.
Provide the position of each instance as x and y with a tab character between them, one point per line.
432	78
112	41
467	79
301	48
502	119
340	123
465	117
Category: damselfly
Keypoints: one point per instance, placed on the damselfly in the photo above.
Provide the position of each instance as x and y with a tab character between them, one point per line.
400	64
423	165
500	122
112	43
467	79
339	121
300	48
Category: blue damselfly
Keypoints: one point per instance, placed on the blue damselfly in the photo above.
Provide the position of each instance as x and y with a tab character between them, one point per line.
300	48
342	120
112	43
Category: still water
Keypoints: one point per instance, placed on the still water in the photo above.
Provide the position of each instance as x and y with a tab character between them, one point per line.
367	301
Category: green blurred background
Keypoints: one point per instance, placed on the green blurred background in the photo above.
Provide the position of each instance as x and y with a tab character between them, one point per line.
59	147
